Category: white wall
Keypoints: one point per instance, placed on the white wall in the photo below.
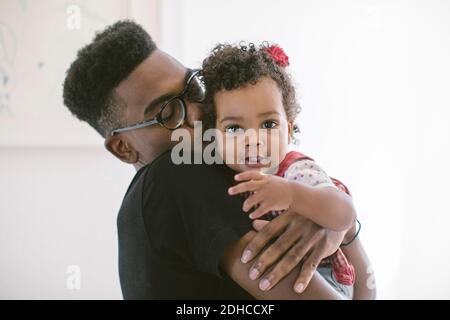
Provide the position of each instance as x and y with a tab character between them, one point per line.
38	41
373	80
60	190
58	209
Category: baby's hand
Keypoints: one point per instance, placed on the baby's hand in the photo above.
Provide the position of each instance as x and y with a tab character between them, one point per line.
268	192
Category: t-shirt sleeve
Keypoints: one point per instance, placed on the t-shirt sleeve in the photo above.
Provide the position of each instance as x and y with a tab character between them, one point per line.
193	205
310	173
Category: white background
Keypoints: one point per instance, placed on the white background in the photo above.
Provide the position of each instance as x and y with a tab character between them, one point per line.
373	78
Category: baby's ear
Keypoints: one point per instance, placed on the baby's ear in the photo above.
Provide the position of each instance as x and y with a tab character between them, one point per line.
290	131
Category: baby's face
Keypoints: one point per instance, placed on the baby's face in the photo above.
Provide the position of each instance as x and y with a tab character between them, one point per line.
255	130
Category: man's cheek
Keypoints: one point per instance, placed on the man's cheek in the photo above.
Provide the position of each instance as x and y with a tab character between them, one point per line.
156	143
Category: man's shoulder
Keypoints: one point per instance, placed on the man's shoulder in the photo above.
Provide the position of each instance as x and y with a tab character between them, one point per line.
167	169
160	170
146	189
164	178
133	195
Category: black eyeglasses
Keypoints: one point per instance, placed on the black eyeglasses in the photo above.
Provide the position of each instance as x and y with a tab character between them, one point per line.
173	112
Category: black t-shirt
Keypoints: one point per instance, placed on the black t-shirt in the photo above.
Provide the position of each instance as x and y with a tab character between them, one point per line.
174	225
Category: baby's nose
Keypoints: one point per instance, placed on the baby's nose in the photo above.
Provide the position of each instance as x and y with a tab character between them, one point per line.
254	141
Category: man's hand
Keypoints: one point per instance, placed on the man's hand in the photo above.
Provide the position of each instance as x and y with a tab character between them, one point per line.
269	192
297	240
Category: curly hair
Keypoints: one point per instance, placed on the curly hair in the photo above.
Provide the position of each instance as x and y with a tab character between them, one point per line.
230	67
99	67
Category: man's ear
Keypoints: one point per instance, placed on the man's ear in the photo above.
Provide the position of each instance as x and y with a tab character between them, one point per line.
121	149
193	113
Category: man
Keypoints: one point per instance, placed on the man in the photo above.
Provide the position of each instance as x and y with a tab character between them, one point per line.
180	234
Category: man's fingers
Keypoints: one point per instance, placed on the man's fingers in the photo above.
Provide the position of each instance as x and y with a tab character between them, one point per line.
244	187
249	175
291	259
306	273
267	233
270	255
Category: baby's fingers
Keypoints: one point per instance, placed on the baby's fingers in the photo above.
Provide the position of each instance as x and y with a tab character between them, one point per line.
249	175
242	187
258	225
263	208
252	201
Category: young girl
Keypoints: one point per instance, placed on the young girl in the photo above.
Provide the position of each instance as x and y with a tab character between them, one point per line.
248	90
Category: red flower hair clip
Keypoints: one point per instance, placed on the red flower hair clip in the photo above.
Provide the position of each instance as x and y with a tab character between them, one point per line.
278	55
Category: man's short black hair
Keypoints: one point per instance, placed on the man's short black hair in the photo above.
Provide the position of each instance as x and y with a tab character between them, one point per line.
99	68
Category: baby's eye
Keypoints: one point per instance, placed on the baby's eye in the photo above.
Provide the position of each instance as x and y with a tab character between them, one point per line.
269	124
233	129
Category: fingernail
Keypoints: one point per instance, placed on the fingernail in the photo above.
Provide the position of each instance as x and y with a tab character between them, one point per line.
250	216
246	256
254	274
230	191
236	177
264	284
299	287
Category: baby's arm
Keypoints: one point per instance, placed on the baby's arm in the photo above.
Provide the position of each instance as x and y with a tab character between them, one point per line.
316	197
307	190
326	206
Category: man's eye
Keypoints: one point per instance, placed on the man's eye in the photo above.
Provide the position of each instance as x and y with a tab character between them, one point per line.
233	129
269	124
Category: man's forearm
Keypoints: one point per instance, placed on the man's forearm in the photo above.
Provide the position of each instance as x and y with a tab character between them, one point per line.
318	288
